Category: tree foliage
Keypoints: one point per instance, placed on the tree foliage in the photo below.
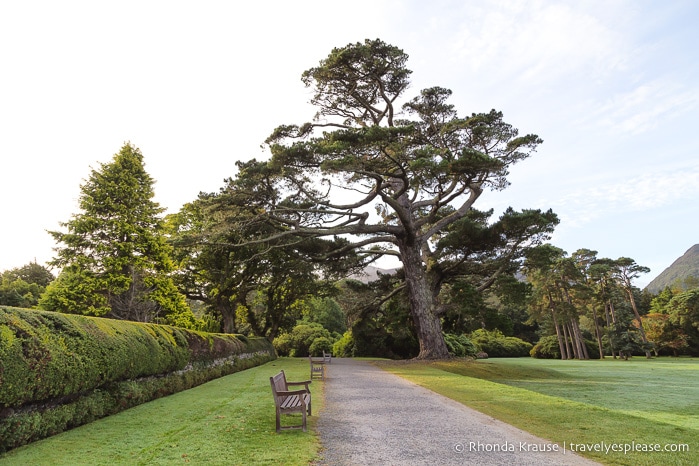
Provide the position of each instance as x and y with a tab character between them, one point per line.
683	310
303	340
23	286
253	282
395	180
326	312
114	257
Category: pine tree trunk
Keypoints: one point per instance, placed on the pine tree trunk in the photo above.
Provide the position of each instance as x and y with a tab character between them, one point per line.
609	311
422	306
572	354
575	340
566	342
598	334
578	340
638	319
581	340
561	345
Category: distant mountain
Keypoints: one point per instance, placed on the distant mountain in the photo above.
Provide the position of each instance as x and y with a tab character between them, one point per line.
685	266
371	274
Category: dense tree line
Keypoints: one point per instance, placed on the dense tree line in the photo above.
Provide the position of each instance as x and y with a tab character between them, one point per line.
590	302
270	253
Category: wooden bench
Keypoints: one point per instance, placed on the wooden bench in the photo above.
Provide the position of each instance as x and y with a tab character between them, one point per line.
327	357
317	368
290	401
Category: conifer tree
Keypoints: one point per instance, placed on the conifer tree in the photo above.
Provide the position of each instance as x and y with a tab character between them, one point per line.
114	256
396	180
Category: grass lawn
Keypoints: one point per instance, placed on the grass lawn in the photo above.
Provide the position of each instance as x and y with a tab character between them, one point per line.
581	402
227	421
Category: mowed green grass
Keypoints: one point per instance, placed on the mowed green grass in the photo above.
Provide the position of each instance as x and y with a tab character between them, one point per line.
669	387
228	421
581	402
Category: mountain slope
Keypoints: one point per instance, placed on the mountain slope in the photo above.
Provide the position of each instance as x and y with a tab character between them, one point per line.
371	274
685	266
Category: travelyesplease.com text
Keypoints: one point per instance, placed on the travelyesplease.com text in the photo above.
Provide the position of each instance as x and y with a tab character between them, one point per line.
598	447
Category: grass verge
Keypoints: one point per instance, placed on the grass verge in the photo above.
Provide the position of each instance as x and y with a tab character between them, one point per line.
580	402
226	421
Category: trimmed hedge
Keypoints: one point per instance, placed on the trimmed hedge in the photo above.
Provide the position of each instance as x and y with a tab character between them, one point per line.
58	371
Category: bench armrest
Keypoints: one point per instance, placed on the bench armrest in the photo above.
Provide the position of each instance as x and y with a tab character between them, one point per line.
291	392
305	382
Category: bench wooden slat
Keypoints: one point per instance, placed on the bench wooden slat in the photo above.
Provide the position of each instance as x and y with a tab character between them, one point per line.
295	401
292	401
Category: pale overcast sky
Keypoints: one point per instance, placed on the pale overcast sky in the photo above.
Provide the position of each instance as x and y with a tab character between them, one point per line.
611	86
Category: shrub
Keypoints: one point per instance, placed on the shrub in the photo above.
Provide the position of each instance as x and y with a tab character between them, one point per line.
546	348
298	342
497	345
319	346
344	347
380	338
460	345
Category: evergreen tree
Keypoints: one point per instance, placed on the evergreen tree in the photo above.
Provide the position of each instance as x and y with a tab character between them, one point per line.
114	256
395	180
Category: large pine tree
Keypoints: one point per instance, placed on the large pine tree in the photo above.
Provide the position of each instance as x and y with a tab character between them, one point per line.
114	257
399	180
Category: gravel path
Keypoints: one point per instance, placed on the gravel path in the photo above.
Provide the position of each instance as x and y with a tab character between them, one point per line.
372	417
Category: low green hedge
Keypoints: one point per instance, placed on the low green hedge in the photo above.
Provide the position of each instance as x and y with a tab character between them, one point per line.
58	371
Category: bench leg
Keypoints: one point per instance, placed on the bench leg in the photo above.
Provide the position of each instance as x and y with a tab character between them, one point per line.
279	423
